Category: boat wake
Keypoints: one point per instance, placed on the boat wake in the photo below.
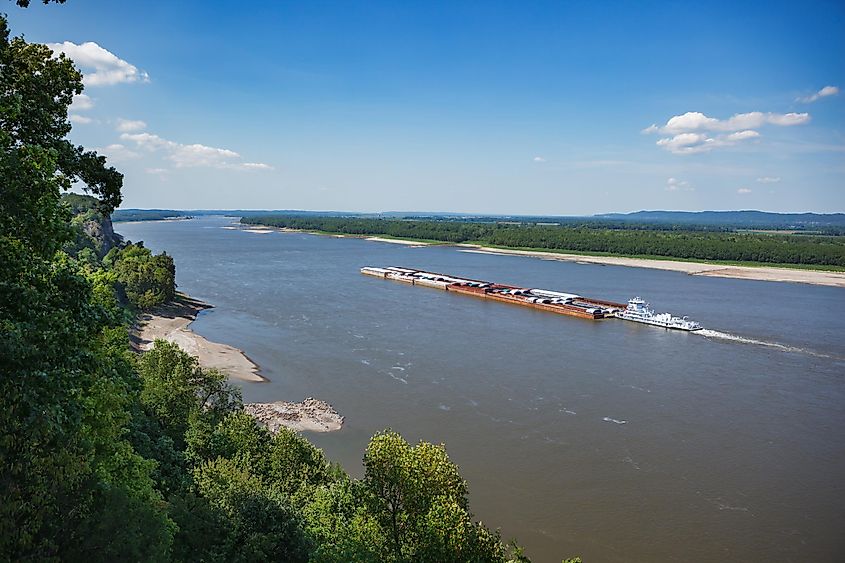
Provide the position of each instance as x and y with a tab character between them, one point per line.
715	334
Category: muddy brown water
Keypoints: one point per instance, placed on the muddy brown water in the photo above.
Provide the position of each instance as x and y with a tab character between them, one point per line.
606	439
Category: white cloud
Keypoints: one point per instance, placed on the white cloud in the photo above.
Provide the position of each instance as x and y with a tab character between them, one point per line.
693	132
674	185
539	159
81	119
743	191
130	125
156	170
697	121
118	152
823	93
81	102
194	155
107	67
693	143
769	179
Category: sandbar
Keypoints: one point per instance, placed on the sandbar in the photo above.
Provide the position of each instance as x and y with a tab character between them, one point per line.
761	273
170	322
398	241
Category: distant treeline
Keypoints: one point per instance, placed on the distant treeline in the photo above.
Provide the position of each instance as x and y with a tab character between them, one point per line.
685	244
145	214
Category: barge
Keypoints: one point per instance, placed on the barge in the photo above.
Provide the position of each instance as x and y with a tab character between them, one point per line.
543	299
571	304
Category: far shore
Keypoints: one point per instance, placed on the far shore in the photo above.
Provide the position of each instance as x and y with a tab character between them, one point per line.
759	273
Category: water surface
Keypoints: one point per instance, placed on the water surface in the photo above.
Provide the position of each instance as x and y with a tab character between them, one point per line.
608	439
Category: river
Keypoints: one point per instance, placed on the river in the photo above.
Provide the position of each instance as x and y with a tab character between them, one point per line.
606	439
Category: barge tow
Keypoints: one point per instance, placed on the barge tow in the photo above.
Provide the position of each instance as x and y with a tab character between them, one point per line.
559	302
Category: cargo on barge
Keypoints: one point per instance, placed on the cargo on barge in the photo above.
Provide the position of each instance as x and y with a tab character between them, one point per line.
543	299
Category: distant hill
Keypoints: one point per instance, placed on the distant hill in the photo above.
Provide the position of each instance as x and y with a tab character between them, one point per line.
156	214
758	219
833	223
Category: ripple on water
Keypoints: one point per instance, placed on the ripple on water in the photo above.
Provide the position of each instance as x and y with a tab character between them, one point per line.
614	420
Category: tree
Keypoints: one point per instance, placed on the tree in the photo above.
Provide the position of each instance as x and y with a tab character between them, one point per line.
411	505
263	526
145	279
64	461
175	390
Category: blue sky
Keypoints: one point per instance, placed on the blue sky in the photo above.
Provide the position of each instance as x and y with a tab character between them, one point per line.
484	107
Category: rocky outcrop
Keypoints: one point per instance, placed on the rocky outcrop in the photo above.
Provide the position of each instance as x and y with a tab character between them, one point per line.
312	415
100	230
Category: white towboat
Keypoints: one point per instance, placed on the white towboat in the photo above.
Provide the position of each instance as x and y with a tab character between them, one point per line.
638	312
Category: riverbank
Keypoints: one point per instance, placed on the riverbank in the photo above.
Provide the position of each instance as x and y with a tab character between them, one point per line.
171	322
760	273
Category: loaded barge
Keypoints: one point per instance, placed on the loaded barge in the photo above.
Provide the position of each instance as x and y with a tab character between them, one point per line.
554	301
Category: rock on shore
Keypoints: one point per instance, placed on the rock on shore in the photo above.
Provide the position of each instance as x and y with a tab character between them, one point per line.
312	415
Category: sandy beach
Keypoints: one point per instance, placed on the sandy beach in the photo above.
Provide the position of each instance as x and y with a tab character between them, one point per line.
398	241
762	273
170	322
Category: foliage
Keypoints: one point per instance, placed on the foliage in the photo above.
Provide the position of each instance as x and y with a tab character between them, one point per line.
65	463
651	241
146	279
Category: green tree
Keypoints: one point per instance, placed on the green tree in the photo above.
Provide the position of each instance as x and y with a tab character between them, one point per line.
411	505
175	389
263	526
65	464
145	279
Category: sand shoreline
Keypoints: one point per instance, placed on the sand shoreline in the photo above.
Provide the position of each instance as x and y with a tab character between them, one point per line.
760	273
171	322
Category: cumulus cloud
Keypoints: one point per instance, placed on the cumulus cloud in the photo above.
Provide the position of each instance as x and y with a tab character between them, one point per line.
692	143
823	93
539	159
107	67
194	155
769	179
81	119
694	132
130	125
674	185
118	153
743	191
697	121
81	102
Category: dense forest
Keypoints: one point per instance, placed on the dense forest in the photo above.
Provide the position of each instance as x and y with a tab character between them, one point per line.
108	455
665	243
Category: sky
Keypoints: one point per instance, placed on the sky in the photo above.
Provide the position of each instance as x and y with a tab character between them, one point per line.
553	108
